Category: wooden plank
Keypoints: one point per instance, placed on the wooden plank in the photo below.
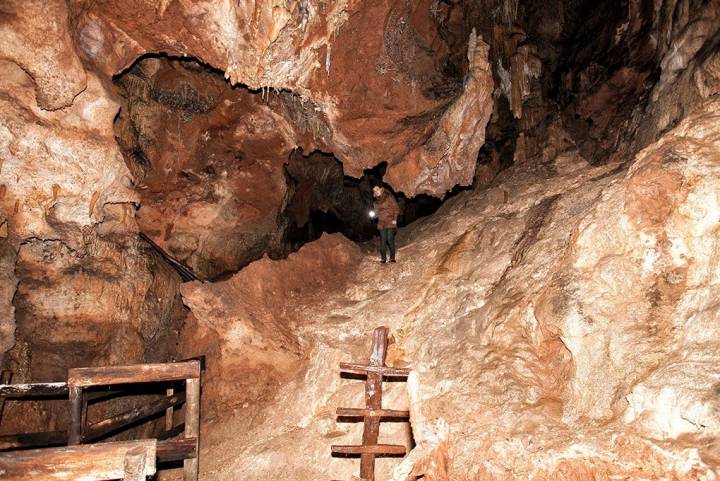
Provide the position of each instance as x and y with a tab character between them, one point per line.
33	440
381	413
176	450
135	462
371	450
365	369
94	462
75	426
46	389
373	400
169	422
106	426
192	426
110	375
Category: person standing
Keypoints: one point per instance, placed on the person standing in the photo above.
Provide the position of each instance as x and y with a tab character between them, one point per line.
386	210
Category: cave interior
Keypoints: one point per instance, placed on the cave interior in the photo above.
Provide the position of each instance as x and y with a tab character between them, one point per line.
190	184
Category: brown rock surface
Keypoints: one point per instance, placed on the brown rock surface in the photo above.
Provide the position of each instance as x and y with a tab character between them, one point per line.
34	34
564	331
88	291
246	326
561	322
314	50
207	162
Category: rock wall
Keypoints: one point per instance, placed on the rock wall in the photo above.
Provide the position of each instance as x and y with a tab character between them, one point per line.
560	326
315	49
560	322
207	161
88	291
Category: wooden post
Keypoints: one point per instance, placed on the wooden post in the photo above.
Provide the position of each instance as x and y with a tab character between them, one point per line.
192	427
135	461
84	413
373	400
75	429
4	379
169	422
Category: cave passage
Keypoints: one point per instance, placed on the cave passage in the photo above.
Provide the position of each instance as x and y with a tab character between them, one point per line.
221	180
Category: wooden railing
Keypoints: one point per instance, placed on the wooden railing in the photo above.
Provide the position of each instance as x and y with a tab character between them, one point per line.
82	388
127	460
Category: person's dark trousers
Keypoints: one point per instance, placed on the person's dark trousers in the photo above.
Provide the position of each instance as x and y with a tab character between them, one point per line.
387	240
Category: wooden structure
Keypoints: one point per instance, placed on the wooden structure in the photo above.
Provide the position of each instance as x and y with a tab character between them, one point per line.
82	378
82	387
373	413
127	460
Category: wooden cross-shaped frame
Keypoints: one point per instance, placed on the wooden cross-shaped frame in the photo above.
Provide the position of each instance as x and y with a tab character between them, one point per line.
373	413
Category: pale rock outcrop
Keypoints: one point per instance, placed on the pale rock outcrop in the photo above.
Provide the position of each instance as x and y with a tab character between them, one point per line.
59	168
563	325
34	34
88	291
458	137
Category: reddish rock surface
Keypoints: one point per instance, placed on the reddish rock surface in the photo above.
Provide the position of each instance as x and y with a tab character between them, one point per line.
560	319
315	50
34	35
247	325
208	164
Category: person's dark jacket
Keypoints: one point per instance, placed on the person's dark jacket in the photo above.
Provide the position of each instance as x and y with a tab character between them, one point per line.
386	210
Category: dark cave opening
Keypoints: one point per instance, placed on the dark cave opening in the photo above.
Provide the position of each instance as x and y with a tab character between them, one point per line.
324	200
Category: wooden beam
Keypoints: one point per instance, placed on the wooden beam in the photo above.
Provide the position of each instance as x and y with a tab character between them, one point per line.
46	389
372	450
106	426
169	421
33	440
192	426
108	376
176	450
75	426
365	369
381	413
94	462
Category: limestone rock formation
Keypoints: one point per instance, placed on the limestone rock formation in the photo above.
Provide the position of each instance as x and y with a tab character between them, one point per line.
208	163
582	348
314	50
560	317
35	36
255	348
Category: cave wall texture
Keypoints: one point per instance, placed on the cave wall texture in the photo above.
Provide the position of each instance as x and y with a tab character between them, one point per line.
560	317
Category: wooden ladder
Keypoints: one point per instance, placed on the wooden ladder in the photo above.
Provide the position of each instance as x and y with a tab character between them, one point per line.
373	413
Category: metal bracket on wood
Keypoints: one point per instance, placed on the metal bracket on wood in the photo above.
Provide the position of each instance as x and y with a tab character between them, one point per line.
373	413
